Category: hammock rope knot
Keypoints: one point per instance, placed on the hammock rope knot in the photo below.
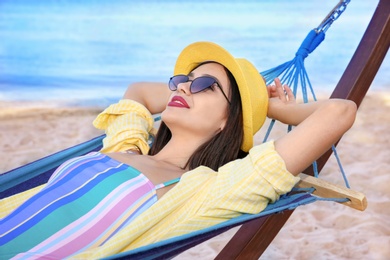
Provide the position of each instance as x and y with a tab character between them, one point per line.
311	42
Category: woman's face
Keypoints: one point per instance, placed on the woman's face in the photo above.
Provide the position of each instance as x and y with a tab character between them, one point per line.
203	113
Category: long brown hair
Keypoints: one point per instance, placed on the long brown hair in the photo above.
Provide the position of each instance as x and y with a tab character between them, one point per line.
224	146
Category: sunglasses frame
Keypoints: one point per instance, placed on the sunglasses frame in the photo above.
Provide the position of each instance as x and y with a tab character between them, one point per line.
173	87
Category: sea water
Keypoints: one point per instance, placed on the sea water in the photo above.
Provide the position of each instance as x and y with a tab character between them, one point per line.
88	52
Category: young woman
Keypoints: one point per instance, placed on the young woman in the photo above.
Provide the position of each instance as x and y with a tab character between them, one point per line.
203	154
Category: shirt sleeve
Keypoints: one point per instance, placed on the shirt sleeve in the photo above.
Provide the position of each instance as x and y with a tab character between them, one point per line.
127	124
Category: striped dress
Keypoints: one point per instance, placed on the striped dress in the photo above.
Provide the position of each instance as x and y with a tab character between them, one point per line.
87	200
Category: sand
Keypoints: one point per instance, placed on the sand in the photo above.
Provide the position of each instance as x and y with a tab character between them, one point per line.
32	130
322	230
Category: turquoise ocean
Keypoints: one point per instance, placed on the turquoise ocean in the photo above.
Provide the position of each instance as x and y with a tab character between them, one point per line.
88	52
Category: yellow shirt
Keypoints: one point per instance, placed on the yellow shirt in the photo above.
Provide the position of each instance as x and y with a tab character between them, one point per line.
202	198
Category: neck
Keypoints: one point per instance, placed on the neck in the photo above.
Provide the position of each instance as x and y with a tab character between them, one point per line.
177	152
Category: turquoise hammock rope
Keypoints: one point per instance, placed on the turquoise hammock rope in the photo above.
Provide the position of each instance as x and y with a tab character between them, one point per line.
293	72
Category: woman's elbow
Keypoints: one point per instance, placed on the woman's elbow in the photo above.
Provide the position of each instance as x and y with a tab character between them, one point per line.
133	91
345	112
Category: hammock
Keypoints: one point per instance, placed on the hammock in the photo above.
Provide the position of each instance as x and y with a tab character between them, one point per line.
257	230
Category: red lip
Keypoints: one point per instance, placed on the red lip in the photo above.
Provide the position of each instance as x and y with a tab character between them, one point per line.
178	101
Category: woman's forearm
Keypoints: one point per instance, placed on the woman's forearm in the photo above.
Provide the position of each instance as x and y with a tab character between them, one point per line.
293	113
319	126
282	105
153	95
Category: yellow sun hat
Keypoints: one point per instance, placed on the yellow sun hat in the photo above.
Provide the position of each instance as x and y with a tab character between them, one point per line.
253	91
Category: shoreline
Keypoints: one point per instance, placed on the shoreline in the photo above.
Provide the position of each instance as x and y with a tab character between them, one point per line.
323	230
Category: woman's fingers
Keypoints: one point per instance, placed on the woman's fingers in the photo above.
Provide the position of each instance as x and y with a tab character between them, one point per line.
289	93
272	91
280	90
284	93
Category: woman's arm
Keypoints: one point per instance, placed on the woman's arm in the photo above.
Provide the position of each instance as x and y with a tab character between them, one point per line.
320	124
153	95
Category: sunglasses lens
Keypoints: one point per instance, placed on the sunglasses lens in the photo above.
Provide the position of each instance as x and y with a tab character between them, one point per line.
176	80
201	83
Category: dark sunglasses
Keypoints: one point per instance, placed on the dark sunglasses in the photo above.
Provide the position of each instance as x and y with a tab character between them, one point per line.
197	85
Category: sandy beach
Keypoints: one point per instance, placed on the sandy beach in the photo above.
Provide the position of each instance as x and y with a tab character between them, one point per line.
322	230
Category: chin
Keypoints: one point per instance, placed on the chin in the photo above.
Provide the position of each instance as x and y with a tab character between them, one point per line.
167	117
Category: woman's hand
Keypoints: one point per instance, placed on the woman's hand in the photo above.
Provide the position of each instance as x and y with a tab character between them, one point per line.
280	97
283	93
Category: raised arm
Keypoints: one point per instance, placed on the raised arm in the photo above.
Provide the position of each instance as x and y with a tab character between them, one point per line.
153	95
320	124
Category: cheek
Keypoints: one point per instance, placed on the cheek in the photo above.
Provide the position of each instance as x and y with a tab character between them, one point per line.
214	116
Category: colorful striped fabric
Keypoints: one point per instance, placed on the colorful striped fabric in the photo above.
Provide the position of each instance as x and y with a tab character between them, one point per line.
87	200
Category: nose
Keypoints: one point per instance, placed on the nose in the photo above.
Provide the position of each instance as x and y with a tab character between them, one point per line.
184	87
